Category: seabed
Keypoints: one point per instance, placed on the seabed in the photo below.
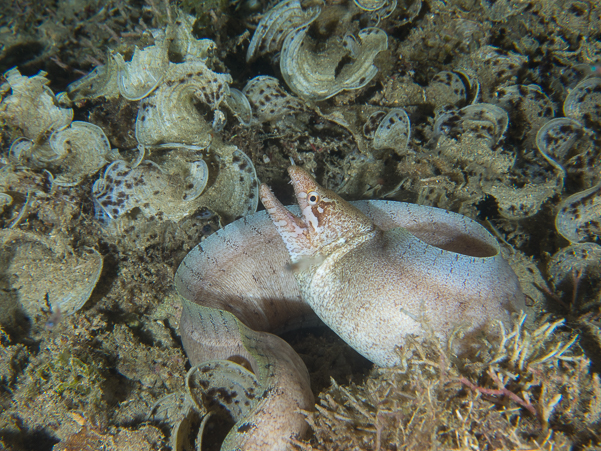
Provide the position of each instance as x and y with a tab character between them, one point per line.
496	114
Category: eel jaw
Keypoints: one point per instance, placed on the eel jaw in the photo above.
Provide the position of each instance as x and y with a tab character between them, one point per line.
291	228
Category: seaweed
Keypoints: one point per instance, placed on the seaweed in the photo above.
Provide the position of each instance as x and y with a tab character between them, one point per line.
529	388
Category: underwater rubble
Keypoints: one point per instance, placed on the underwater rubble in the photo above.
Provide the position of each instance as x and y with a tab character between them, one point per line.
108	179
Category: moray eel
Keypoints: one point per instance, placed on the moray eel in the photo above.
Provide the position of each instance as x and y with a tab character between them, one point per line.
373	271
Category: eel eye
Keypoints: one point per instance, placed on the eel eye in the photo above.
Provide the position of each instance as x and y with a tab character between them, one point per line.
312	198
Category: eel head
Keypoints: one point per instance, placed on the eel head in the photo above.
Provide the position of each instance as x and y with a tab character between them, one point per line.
326	222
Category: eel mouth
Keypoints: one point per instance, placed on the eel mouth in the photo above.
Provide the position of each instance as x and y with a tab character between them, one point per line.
292	229
303	184
280	215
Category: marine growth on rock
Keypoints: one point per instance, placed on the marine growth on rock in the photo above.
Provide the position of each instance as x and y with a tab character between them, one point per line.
135	138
